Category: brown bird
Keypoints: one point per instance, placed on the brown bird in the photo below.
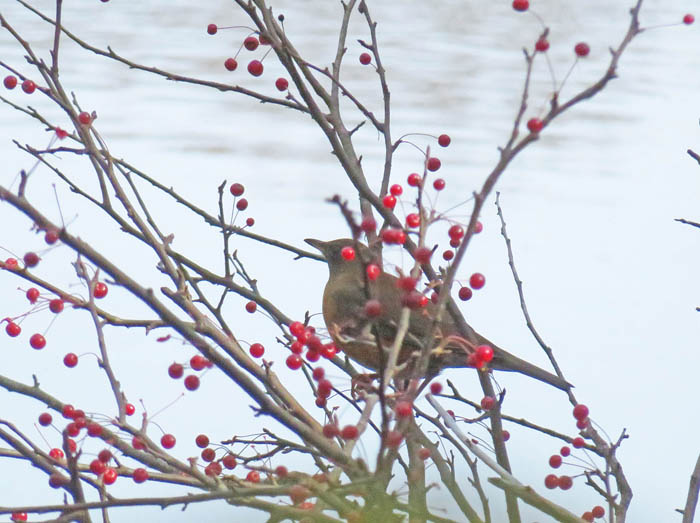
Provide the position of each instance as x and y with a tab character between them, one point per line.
355	325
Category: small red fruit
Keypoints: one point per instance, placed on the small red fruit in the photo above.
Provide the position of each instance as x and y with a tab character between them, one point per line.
208	454
257	350
393	439
521	5
230	64
488	402
37	341
129	409
403	409
255	67
18	516
444	140
582	49
436	387
281	84
45	419
101	290
10	81
330	430
94	430
202	441
31	259
373	308
433	164
237	189
56	454
28	86
587	516
251	43
348	253
565	482
565	451
253	476
56	305
541	45
555	461
250	222
85	118
396	190
198	362
175	371
465	293
349	432
365	58
12	329
167	441
51	235
598	511
368	224
294	361
104	456
251	307
439	184
139	475
229	461
484	353
578	443
477	280
506	435
97	466
414	180
109	476
373	271
551	481
413	220
424	453
242	204
191	382
535	125
389	201
423	255
447	256
70	360
212	29
137	443
213	469
581	411
687	20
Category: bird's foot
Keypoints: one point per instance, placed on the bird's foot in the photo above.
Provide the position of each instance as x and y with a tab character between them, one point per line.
361	385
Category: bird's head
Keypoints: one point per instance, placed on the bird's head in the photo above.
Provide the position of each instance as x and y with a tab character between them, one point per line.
332	251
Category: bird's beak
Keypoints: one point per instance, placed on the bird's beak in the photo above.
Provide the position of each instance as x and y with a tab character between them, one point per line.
316	244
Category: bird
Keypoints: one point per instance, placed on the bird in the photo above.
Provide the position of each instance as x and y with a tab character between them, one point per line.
355	325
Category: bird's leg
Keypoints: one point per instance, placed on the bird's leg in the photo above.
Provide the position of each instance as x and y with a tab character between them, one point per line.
361	384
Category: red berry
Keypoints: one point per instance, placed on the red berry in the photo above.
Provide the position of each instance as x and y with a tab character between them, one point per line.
349	432
11	264
70	360
297	347
488	402
478	227
212	29
51	235
318	373
598	511
251	43
506	435
139	475
137	443
406	283
198	362
249	222
477	280
348	253
296	328
582	424
229	461
237	189
257	350
37	341
435	387
581	411
551	481
687	20
208	454
578	443
56	454
72	429
413	220
282	84
535	125
109	476
230	64
365	58
368	224
324	389
587	516
312	356
175	371
67	411
541	45
251	307
423	453
565	482
94	430
465	293
167	441
191	382
373	308
56	305
565	451
104	456
447	256
242	204
97	466
521	5
373	271
555	461
389	201
253	476
12	329
18	516
202	441
255	67
455	232
582	49
85	118
10	81
414	180
32	294
330	430
484	353
100	290
433	164
393	236
213	469
423	255
439	184
403	409
393	439
28	86
294	361
444	140
45	419
31	259
61	135
396	190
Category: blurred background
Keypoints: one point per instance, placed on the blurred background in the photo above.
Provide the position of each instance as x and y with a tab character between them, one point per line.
610	278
